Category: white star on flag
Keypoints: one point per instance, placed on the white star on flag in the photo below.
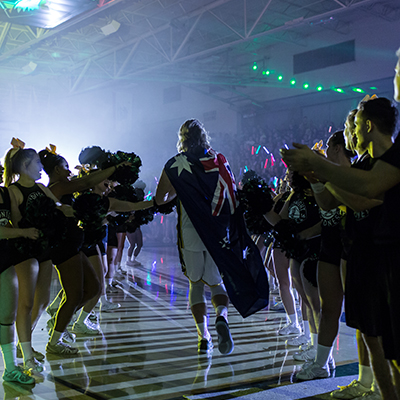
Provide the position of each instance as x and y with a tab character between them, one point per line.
182	163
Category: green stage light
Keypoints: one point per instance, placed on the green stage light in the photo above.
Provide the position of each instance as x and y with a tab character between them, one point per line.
319	88
306	85
255	66
293	82
373	88
339	90
358	90
266	72
280	77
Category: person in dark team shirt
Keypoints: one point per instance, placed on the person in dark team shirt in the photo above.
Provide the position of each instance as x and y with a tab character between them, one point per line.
376	122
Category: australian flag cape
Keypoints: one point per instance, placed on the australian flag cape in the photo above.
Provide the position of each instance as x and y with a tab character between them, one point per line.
205	185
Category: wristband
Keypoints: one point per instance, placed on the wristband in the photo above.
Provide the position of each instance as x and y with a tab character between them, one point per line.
317	187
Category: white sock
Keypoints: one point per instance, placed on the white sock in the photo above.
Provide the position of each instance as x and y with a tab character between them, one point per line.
314	339
323	354
222	311
82	317
9	351
293	319
55	337
26	348
306	326
365	375
202	330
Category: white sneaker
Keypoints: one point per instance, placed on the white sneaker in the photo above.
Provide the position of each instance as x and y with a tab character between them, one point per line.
32	365
85	328
109	306
93	318
277	307
133	263
306	355
305	346
298	341
121	271
313	371
68	337
371	395
289	329
351	391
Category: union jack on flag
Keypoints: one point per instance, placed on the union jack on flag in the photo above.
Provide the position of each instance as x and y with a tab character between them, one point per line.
226	187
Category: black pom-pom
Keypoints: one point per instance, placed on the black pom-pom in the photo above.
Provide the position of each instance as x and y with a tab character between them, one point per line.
256	224
126	193
285	233
43	214
119	219
125	175
166	208
256	196
94	155
141	217
91	209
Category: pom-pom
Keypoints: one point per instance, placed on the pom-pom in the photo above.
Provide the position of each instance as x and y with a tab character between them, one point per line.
127	193
91	210
166	208
43	214
256	224
119	219
285	233
125	175
94	155
141	217
256	196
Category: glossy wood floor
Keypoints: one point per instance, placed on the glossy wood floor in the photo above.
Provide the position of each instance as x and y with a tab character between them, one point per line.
148	349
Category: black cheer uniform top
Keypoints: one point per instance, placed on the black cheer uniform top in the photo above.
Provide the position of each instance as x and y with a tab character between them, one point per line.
5	218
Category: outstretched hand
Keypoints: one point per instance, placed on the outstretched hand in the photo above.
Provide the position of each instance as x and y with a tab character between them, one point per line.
299	159
30	233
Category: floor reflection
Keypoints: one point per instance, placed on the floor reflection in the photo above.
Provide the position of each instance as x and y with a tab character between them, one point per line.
148	349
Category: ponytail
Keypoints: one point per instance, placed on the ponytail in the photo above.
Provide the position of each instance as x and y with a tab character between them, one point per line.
13	162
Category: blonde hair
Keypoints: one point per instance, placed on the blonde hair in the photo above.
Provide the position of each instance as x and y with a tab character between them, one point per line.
192	137
13	162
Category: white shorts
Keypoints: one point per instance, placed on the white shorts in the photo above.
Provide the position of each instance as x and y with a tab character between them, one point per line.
199	265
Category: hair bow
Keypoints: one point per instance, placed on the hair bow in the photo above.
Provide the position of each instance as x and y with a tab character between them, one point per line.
367	98
318	147
52	149
83	169
17	144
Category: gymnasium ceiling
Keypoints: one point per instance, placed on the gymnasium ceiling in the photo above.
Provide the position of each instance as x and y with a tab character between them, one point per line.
208	45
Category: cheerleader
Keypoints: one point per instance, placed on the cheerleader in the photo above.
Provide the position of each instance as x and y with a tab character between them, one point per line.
77	274
33	268
82	326
9	291
302	210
